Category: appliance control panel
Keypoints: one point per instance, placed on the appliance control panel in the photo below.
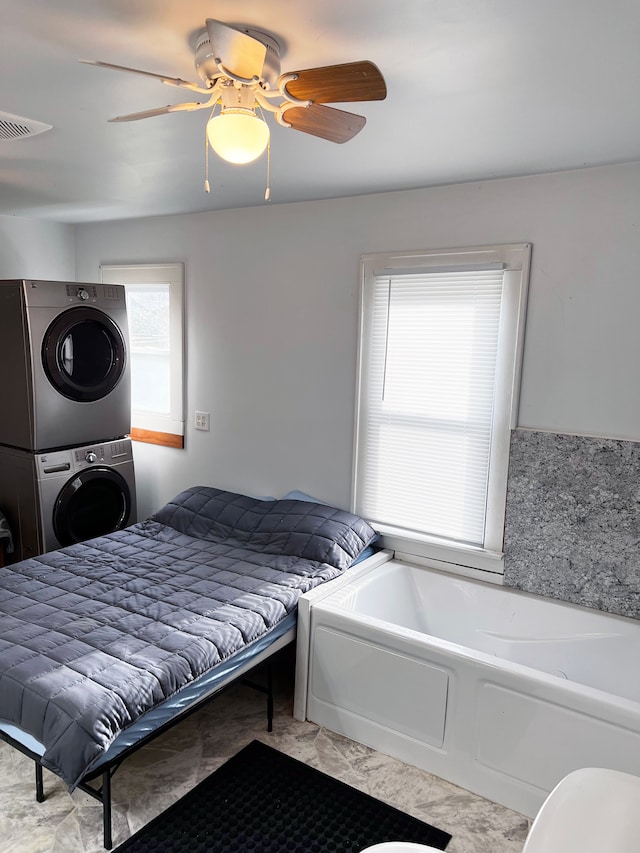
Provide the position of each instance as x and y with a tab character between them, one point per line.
92	294
85	457
82	293
58	294
58	462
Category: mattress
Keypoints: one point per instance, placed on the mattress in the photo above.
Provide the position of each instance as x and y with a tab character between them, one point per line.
96	635
207	685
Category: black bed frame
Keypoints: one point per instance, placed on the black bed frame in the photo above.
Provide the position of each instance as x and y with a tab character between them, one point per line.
102	792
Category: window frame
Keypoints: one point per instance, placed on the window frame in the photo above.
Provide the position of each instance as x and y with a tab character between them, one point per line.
486	562
152	427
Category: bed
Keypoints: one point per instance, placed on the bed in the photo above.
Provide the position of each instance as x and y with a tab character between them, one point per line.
106	643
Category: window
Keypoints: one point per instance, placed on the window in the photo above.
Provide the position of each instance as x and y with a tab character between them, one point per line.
155	314
440	351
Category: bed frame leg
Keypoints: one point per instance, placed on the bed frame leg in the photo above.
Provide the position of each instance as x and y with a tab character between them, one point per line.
269	699
106	810
39	783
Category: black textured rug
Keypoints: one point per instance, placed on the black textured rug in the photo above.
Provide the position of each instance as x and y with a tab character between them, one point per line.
262	801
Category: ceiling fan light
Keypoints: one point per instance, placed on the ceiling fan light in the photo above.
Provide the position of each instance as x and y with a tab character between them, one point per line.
238	135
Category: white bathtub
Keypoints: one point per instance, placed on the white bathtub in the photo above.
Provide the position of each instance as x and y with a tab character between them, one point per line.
498	691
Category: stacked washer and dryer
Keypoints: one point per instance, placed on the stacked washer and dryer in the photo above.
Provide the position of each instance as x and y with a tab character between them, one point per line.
66	462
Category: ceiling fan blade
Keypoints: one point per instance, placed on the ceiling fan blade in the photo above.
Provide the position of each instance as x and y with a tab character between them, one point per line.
353	81
241	54
170	81
325	122
160	111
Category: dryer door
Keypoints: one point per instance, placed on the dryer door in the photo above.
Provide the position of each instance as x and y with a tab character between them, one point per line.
84	354
95	502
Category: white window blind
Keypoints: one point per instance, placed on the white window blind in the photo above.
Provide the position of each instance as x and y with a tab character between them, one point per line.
439	354
431	389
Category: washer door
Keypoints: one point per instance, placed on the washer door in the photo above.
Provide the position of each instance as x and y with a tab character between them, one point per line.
95	502
83	354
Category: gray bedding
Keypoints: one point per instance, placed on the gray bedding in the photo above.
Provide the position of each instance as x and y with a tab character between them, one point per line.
95	634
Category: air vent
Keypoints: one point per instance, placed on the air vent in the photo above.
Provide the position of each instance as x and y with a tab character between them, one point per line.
18	127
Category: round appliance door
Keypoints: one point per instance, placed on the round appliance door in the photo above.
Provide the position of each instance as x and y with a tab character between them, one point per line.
84	354
95	502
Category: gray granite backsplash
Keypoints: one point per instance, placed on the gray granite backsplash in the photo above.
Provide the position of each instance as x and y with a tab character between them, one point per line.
572	528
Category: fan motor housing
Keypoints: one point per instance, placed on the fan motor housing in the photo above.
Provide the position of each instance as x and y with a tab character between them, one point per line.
208	70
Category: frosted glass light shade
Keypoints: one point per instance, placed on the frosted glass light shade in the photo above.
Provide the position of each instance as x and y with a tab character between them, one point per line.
238	135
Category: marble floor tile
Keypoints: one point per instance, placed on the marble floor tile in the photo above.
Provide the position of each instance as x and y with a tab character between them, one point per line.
159	774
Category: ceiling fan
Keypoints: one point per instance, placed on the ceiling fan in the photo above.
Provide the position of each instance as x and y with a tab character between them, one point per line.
240	72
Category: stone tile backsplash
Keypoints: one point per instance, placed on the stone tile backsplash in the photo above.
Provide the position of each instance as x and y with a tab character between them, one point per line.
572	529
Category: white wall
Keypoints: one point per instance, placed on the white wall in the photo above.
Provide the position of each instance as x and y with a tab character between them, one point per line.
31	248
272	317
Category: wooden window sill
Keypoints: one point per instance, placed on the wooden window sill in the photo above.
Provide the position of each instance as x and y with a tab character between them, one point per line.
166	439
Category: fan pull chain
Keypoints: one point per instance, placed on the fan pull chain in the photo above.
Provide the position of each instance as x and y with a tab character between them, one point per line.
207	188
267	192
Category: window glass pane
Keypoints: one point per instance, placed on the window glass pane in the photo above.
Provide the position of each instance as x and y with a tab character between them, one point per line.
148	312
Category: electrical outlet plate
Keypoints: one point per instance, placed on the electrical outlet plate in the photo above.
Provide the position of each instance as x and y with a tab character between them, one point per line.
202	421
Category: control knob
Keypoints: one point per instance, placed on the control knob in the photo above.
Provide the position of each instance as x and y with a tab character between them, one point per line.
90	456
82	294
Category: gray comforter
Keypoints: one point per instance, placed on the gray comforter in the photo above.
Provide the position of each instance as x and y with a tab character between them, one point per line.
95	634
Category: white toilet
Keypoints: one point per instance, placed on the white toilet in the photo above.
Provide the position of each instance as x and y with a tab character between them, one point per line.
592	810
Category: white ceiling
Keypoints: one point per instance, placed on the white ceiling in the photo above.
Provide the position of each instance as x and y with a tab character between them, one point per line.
476	89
